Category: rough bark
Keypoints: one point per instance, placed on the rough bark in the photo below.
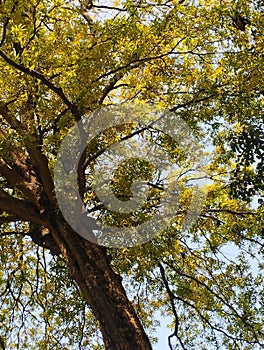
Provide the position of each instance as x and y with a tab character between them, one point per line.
90	266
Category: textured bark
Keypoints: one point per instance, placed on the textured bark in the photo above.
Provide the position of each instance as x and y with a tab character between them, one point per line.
90	266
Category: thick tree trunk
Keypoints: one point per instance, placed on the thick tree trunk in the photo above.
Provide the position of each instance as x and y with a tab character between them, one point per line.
90	266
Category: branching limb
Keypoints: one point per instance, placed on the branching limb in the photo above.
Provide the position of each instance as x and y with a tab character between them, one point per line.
34	74
30	190
23	209
172	298
111	86
39	160
135	63
222	299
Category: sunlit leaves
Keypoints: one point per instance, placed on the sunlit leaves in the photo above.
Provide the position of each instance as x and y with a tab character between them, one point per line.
188	56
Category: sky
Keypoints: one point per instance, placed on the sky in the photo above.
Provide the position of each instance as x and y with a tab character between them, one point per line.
162	334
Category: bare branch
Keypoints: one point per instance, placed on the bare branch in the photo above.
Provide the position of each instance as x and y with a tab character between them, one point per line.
233	212
172	298
110	8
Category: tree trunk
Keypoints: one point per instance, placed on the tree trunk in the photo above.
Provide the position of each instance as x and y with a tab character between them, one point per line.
90	266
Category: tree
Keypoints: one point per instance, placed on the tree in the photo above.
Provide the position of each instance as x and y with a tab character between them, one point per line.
61	60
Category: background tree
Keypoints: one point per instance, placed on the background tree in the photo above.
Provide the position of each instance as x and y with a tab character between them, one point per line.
61	60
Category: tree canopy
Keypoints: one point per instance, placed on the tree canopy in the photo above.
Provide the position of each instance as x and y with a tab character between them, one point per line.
202	61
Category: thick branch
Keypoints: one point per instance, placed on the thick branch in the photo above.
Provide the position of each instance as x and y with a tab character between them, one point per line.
22	209
39	160
30	190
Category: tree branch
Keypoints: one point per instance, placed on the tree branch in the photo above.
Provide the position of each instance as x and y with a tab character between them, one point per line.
30	190
6	24
229	211
9	218
111	86
222	299
19	208
189	103
110	8
57	90
136	62
171	297
11	233
39	160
